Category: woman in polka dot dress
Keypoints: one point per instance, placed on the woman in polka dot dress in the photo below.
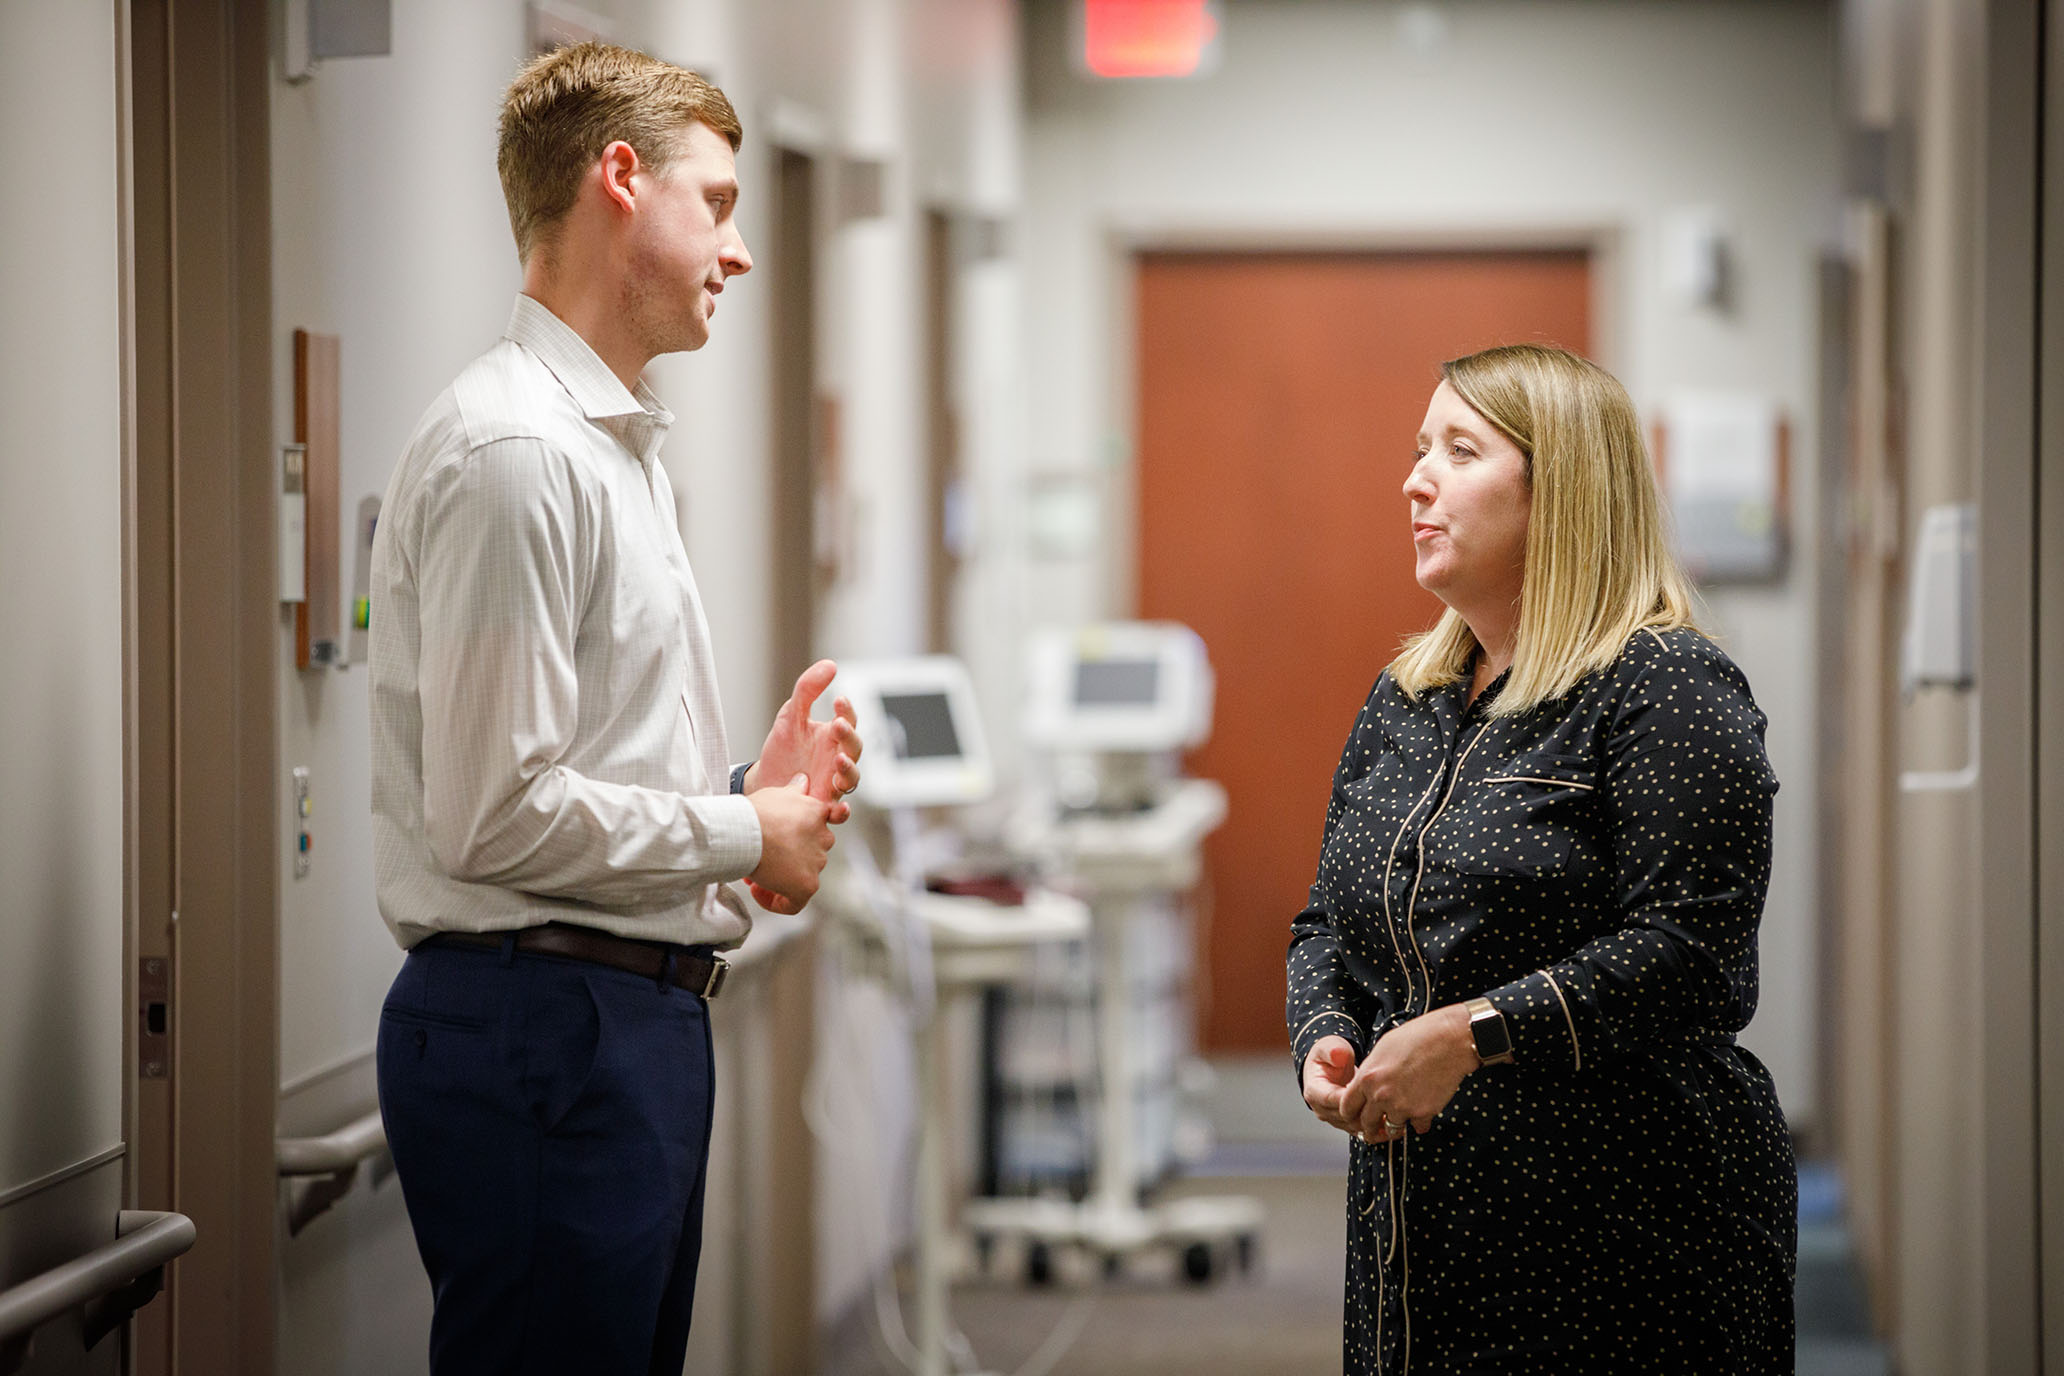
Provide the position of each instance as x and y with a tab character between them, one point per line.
1532	936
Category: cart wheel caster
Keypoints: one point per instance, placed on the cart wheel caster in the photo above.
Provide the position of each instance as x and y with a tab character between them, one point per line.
1197	1263
1113	1264
1249	1250
1039	1268
985	1251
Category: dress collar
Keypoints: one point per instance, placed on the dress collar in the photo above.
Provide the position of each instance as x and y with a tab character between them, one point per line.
1451	703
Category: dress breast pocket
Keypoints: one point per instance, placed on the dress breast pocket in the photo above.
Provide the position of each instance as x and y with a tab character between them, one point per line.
1368	811
1529	818
1380	786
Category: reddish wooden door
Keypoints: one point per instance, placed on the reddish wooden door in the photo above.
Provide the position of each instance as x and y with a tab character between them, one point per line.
1279	400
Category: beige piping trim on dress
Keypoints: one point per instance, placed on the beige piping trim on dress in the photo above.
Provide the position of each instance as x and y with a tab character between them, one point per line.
1383	1262
1389	1147
1397	1228
1389	926
1405	1245
1329	1013
1537	779
1397	1232
1575	1045
1420	874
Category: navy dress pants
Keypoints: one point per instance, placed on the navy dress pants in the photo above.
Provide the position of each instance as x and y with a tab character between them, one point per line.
549	1121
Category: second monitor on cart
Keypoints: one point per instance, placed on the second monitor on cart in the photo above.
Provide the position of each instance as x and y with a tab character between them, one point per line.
1114	704
1126	686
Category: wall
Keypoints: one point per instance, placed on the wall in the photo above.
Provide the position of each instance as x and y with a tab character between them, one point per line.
1331	123
1937	988
387	232
1914	72
61	559
390	233
61	673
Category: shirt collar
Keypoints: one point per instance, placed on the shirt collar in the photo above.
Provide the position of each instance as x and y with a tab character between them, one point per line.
634	416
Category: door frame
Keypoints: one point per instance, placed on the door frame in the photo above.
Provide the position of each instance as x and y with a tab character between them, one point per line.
200	552
1126	241
773	1302
2020	636
2047	835
940	273
795	398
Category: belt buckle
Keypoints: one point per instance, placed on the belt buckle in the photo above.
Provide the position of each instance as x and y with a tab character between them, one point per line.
720	970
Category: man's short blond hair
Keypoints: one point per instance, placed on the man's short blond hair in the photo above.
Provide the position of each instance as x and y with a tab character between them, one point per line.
565	107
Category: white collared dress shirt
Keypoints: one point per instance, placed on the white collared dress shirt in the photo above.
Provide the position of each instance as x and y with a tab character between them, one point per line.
547	741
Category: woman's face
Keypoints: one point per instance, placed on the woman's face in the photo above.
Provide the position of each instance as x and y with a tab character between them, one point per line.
1470	500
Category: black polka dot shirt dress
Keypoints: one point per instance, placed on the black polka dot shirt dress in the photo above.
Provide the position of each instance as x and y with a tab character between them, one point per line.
1620	1198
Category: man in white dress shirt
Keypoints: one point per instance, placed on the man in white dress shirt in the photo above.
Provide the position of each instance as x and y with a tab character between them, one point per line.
556	820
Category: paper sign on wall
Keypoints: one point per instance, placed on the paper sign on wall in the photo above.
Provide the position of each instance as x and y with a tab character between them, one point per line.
1722	458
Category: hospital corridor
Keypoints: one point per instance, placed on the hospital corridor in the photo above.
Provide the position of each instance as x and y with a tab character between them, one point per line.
1032	687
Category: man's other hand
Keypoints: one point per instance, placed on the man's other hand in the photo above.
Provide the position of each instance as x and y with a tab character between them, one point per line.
795	839
825	752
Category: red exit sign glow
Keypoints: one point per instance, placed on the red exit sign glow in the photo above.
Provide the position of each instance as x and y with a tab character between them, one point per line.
1123	38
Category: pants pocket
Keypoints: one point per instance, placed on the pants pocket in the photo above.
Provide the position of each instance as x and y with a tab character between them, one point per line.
426	1018
563	1037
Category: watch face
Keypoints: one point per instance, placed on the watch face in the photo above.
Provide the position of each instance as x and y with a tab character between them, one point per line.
1488	1031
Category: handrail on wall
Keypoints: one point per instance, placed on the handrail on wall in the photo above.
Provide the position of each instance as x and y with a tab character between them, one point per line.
341	1150
110	1283
322	1169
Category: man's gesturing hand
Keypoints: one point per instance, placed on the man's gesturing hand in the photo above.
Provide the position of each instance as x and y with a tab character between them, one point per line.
795	838
826	752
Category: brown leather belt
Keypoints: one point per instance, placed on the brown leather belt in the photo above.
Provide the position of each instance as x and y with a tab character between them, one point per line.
697	973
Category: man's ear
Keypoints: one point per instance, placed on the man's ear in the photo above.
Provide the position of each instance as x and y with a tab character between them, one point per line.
617	165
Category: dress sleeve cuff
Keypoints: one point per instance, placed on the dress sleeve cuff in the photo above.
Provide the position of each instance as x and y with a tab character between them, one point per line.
1327	1024
1541	1021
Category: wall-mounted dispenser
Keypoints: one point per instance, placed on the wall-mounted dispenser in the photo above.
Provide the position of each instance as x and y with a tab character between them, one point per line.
1939	648
293	523
358	617
317	405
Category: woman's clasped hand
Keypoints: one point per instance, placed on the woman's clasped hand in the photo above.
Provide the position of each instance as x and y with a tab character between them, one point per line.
1404	1083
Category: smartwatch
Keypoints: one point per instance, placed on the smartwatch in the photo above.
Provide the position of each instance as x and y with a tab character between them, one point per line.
1487	1029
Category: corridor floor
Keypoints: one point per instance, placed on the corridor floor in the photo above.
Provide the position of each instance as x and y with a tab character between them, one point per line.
1284	1318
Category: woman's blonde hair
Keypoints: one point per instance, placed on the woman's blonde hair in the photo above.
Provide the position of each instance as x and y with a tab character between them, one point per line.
1598	561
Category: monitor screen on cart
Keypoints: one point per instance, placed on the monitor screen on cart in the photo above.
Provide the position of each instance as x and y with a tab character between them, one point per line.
921	725
1117	682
